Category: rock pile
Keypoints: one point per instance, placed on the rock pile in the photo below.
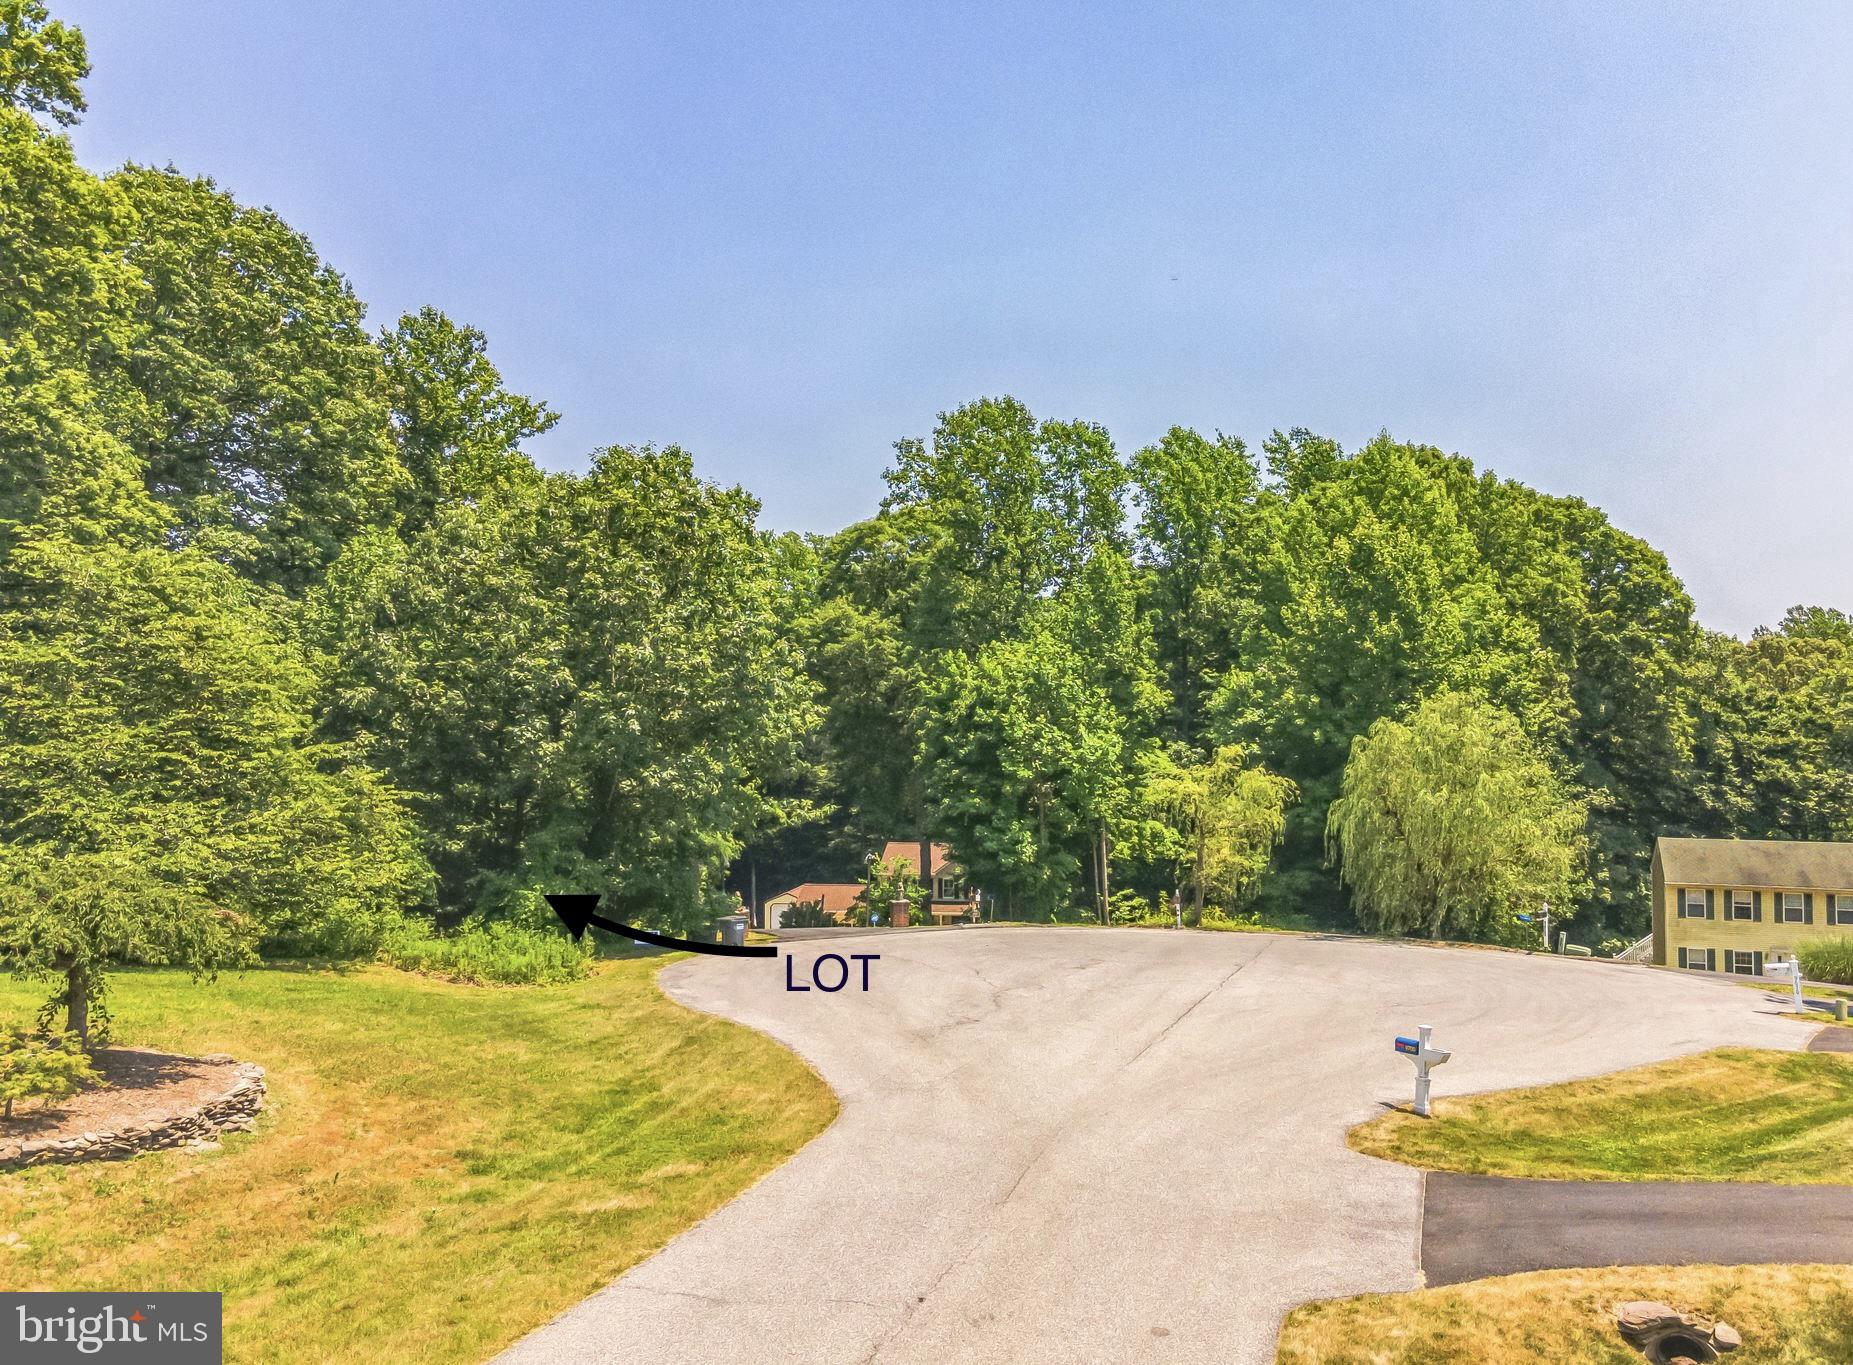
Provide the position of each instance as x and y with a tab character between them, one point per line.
233	1111
1668	1337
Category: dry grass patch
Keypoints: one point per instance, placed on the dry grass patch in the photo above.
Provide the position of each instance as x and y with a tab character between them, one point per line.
440	1168
1789	1315
1731	1114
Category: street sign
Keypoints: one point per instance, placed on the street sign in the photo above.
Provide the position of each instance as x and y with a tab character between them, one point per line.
1424	1057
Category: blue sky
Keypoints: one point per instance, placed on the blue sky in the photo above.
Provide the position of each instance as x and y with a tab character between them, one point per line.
1604	249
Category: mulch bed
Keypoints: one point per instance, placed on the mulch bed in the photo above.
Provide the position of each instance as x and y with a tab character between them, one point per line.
139	1088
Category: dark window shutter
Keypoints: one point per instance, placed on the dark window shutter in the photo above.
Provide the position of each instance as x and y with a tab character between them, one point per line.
1711	896
1807	907
1756	964
1756	910
1711	959
1679	900
1682	957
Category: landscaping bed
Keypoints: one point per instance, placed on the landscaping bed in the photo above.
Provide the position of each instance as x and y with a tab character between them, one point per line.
146	1101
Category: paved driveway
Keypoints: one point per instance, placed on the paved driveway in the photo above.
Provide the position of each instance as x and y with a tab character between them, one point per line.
1105	1145
1478	1225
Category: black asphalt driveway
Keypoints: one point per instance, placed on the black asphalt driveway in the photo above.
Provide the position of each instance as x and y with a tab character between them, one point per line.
1833	1038
1479	1225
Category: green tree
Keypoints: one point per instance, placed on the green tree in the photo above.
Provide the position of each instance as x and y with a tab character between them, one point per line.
444	661
1016	507
1818	623
583	682
66	303
42	62
268	432
1452	822
163	802
1023	759
458	430
42	1066
689	691
1776	746
1199	514
1220	819
1619	629
1372	592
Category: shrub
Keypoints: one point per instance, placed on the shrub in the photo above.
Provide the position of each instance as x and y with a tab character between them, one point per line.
1129	907
487	954
1828	959
810	915
47	1065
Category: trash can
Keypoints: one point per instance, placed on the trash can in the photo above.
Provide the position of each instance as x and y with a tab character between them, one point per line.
733	930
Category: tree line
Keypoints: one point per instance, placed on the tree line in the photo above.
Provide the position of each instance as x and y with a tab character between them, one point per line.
296	639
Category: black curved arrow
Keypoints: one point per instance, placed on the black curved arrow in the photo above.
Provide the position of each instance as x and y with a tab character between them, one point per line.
575	913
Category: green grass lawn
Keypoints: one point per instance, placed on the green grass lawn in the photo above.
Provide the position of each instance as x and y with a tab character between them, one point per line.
440	1168
1732	1114
1788	1315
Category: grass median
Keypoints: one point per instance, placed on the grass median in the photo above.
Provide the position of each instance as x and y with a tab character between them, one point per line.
440	1168
1730	1114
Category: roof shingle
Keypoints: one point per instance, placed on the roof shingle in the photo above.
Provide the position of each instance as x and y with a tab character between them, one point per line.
1795	863
832	897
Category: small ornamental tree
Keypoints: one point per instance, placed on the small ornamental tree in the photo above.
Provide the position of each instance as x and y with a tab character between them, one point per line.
1217	821
47	1066
1452	822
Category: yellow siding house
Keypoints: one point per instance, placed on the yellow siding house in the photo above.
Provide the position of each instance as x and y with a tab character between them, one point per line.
1737	905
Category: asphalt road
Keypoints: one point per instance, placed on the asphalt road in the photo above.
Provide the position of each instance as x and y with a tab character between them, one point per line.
1105	1145
1477	1225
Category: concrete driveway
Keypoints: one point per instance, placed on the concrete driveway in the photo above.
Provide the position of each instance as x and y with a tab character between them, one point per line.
1105	1145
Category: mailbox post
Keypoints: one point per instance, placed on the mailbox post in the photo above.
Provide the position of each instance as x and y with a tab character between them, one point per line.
1424	1057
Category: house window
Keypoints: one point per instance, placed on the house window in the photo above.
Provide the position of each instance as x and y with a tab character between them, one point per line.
947	889
1791	907
1741	963
1697	959
1742	905
1692	905
1841	908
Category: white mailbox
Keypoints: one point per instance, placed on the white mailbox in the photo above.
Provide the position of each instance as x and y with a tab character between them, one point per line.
1792	969
1417	1050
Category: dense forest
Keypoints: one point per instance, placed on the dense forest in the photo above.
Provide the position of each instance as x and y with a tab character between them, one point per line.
296	639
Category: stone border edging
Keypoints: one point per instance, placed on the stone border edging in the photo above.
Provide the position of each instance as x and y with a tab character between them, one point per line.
233	1111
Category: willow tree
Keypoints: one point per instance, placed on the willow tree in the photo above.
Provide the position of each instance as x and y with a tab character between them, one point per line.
1453	822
